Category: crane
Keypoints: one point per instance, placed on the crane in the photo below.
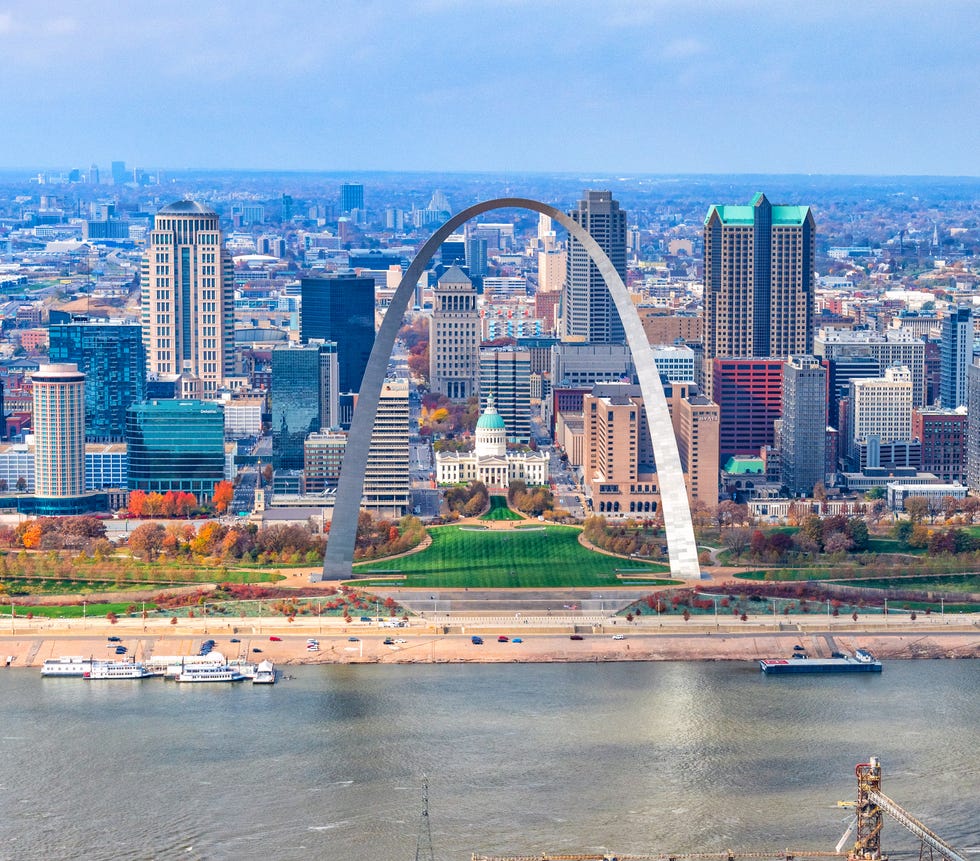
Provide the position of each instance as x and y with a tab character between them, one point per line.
871	806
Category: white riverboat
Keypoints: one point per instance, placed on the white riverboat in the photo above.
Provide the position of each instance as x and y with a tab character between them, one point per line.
113	670
222	673
265	674
68	666
172	666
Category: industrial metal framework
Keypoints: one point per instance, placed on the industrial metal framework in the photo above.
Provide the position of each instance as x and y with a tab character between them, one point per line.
682	548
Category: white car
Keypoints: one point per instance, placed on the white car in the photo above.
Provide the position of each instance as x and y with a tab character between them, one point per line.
399	640
619	636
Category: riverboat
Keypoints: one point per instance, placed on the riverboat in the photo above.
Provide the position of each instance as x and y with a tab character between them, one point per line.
69	666
861	662
199	674
265	674
173	666
115	670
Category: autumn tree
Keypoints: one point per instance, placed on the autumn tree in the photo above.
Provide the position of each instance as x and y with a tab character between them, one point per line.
146	540
224	491
137	503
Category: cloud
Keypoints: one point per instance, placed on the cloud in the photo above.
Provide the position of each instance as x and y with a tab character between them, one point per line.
683	49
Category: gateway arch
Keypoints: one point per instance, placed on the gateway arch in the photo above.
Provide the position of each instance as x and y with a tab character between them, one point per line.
682	548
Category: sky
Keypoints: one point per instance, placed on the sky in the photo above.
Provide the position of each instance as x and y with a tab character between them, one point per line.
615	86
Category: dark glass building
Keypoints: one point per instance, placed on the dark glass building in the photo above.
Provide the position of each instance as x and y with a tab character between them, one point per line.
303	398
341	309
176	445
113	359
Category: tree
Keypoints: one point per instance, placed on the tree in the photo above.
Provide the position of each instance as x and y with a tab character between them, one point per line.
32	534
223	494
137	503
917	507
737	540
146	540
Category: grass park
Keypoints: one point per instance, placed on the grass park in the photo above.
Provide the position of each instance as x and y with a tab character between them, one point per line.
539	556
499	510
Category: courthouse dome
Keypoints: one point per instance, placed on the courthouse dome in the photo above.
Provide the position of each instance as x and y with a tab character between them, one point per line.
186	207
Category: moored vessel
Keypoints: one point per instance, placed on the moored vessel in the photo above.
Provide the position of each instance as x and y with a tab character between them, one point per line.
67	666
115	670
221	673
265	674
861	662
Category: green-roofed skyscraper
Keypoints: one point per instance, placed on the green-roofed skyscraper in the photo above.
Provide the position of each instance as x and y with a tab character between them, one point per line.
758	281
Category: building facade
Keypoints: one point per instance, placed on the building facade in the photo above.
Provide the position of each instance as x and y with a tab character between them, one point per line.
758	282
386	479
341	309
323	455
881	408
490	462
803	438
187	297
59	431
749	395
176	445
304	397
588	312
454	337
942	434
113	359
505	376
956	354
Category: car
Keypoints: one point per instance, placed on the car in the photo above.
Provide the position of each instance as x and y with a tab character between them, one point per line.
400	640
353	640
798	648
389	642
257	651
576	637
234	640
619	636
115	639
837	655
503	639
121	650
276	639
799	656
476	641
365	618
517	640
312	647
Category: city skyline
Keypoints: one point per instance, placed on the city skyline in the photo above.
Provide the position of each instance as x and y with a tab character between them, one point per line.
873	88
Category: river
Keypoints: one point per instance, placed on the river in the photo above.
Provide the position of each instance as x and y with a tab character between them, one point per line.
624	757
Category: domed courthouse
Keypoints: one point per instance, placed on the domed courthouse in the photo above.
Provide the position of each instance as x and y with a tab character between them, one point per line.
490	462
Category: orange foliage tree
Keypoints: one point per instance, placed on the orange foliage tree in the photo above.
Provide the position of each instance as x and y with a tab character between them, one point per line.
223	493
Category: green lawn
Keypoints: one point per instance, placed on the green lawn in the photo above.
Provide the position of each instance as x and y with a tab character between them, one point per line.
91	611
939	583
500	511
543	558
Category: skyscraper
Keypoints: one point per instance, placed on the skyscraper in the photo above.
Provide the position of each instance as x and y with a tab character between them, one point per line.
341	309
176	445
386	478
303	397
59	431
758	281
187	299
505	376
804	433
113	359
454	337
588	312
956	354
351	197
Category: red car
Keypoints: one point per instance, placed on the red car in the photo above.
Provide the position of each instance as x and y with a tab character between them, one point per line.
276	639
503	639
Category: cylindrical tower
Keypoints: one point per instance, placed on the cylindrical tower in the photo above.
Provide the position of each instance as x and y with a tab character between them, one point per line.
59	431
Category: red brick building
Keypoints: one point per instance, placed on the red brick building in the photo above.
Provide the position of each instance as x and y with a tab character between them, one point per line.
943	437
749	394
